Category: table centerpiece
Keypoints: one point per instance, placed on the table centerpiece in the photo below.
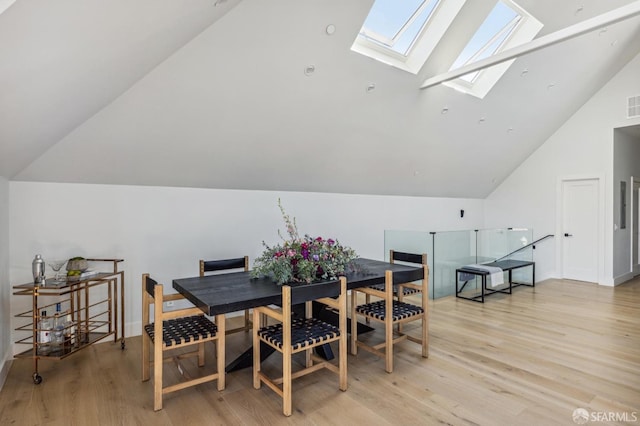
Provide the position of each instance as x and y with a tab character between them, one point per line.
302	259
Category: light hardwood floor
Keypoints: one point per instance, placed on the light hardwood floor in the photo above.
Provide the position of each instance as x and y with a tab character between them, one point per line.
531	358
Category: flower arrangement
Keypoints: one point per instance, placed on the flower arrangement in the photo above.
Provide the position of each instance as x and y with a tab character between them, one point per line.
303	259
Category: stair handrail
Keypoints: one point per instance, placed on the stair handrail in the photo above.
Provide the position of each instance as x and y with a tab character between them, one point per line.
524	247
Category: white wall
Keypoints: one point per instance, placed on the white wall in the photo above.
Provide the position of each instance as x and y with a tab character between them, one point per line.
626	164
165	231
582	146
5	319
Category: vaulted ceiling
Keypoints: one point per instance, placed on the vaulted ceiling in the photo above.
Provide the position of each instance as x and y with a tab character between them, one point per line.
206	93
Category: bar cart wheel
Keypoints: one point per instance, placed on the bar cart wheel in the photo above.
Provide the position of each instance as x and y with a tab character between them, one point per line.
37	379
122	344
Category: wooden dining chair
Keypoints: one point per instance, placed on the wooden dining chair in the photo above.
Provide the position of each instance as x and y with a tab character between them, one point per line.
392	310
175	329
407	291
398	256
296	334
227	265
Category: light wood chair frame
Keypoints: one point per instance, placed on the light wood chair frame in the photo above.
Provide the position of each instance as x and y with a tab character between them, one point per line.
203	270
283	385
400	295
385	349
159	347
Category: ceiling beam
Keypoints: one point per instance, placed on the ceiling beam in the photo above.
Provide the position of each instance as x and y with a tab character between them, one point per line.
592	24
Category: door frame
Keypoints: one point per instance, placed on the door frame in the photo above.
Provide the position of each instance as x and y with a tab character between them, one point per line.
599	177
635	182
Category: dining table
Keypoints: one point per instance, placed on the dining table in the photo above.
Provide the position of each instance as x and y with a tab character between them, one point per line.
236	291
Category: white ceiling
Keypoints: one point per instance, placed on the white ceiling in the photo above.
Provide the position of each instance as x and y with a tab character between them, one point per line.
168	93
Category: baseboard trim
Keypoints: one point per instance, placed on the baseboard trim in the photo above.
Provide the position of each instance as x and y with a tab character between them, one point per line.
623	278
4	371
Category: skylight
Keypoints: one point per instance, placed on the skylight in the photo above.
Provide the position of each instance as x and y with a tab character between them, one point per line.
398	27
489	38
506	26
404	33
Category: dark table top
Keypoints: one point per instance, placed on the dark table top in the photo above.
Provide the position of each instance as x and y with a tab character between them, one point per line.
505	265
231	292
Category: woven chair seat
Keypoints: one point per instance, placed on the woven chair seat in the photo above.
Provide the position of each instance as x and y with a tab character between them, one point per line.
183	330
401	310
304	332
407	291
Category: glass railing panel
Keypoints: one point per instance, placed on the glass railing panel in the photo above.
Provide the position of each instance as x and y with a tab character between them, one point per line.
491	244
522	238
507	244
517	238
495	244
523	275
452	250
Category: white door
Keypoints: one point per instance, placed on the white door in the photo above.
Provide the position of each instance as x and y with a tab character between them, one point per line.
580	229
635	195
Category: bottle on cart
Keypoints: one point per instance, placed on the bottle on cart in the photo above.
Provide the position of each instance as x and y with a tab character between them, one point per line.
69	331
44	334
58	328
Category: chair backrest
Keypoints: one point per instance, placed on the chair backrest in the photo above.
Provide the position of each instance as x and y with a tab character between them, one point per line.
420	259
150	297
149	284
224	264
330	293
152	294
304	292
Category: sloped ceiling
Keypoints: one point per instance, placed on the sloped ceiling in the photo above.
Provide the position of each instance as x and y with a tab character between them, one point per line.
63	61
125	92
